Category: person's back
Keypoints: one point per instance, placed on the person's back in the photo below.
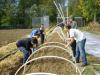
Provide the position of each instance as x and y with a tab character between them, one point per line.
34	33
26	43
77	34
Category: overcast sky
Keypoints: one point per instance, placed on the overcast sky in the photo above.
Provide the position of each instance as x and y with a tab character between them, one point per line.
66	2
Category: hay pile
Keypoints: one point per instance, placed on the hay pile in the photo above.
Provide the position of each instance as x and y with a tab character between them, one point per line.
7	49
51	51
51	65
55	38
9	65
53	43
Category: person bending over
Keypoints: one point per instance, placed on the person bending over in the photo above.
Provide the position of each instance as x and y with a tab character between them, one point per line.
77	35
25	45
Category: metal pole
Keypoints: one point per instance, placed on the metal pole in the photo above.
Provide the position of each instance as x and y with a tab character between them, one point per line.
67	14
67	11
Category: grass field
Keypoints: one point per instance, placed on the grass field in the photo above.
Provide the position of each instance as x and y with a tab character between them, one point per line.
8	36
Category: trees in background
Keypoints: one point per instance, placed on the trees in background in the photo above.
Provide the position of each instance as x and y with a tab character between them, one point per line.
19	13
7	12
89	9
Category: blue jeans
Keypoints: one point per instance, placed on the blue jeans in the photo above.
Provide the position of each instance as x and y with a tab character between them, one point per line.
25	52
80	50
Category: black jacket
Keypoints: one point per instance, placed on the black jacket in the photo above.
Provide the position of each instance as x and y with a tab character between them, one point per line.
26	43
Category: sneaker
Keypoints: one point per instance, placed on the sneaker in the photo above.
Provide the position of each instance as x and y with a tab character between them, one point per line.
77	62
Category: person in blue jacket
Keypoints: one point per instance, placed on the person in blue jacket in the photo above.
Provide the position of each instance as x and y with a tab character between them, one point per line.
35	32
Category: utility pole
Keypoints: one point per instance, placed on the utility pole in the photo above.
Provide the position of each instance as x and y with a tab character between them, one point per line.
66	4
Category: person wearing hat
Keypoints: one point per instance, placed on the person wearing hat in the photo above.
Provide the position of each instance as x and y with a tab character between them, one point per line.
25	45
35	32
80	38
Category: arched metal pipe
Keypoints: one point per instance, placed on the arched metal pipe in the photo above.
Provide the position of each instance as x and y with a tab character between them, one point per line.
49	57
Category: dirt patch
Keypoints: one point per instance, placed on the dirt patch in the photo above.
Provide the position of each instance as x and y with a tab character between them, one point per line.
8	36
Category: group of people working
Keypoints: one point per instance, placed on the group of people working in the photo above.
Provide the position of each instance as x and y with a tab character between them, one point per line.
76	40
30	44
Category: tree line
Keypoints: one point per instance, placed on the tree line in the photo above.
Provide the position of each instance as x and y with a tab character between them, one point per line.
89	9
19	13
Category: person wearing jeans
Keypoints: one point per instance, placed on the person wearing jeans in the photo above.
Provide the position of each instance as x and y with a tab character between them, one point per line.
80	49
25	45
77	35
25	52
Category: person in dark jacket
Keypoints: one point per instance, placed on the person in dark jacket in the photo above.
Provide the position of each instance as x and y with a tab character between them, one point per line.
25	45
42	34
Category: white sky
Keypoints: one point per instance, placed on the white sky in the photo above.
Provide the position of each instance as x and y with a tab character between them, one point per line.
66	2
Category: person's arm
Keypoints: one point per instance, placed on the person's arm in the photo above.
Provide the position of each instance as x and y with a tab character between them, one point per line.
69	41
35	45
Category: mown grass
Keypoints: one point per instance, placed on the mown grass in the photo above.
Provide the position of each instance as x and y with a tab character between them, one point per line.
89	71
94	60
